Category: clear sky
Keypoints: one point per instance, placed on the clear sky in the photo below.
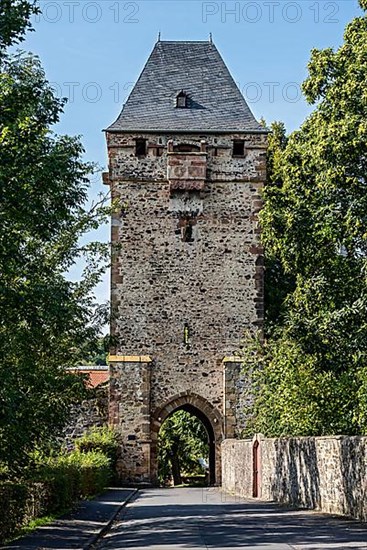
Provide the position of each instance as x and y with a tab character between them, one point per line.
93	52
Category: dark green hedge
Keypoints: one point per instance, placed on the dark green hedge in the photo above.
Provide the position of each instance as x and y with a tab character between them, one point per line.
19	504
74	476
12	508
55	486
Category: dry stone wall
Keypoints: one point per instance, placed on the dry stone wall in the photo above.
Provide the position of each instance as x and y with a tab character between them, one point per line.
324	473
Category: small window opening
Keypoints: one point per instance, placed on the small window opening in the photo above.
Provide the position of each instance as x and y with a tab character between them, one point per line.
238	148
186	335
182	100
215	152
187	233
140	147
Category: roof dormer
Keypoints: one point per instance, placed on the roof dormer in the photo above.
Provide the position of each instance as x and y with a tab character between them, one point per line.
182	100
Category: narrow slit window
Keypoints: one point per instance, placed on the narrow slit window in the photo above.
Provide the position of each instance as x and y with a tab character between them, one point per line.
141	147
187	233
238	148
186	335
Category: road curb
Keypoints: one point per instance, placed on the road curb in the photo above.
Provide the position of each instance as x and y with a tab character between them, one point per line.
97	536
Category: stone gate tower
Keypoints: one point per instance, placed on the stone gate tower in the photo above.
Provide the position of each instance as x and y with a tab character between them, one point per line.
186	162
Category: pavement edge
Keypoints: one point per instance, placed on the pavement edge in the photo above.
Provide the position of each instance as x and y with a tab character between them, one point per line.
97	536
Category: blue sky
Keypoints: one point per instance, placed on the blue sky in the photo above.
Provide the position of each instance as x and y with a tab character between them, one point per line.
93	52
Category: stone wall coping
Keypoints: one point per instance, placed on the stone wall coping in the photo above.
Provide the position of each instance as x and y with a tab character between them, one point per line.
317	437
129	359
233	359
298	438
231	440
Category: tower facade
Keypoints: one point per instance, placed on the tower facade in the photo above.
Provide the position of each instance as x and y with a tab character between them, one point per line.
186	167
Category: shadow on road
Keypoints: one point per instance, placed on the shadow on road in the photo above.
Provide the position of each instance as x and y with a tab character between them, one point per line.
206	518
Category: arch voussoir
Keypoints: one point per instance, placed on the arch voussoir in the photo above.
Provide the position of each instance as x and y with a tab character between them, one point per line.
203	406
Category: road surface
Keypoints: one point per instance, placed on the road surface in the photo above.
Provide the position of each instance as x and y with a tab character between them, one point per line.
200	519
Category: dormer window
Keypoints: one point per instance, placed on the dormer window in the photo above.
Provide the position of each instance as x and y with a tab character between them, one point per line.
182	100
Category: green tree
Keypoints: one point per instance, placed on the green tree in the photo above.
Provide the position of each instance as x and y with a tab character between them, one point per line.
312	379
15	21
182	441
46	321
278	283
98	353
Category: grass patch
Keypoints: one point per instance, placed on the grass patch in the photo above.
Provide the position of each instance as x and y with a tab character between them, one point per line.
35	523
31	526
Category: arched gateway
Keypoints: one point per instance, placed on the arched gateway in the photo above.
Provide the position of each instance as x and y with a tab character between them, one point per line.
209	416
187	265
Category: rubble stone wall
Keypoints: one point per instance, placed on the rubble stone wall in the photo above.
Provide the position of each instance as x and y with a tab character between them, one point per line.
185	304
324	473
90	413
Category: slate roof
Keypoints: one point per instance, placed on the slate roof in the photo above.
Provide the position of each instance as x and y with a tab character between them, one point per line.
216	103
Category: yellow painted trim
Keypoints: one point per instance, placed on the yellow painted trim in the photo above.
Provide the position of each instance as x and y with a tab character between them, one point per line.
129	359
233	359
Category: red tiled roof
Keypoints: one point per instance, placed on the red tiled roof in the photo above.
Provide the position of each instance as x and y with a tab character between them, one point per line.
97	375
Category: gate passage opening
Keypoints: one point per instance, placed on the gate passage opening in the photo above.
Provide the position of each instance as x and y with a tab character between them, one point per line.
186	450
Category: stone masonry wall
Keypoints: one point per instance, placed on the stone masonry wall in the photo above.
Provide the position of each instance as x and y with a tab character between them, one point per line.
90	413
130	411
324	473
237	467
184	304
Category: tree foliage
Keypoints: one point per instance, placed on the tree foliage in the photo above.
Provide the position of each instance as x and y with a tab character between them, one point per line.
15	21
314	223
182	441
46	321
98	353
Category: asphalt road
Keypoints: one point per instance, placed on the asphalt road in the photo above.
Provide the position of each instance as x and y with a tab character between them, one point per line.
172	519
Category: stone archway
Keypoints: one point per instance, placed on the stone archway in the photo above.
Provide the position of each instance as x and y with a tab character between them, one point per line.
209	416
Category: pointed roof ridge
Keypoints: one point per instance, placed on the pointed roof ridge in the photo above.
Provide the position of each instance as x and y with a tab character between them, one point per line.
216	103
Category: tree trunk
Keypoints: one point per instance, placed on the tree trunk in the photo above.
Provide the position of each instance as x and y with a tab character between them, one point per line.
176	470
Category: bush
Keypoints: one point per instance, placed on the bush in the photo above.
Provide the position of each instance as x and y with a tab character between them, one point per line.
12	508
54	486
19	504
102	440
94	470
71	477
